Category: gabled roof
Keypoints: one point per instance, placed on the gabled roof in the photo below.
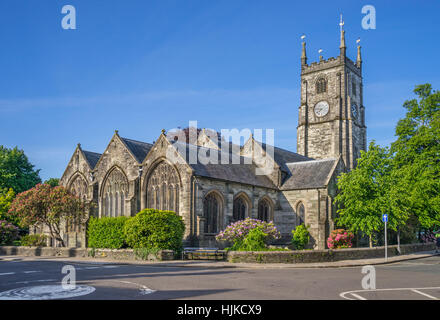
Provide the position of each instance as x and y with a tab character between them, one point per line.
309	174
241	171
138	148
92	158
282	156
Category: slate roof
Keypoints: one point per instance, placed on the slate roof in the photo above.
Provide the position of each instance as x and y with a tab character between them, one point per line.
309	174
92	157
138	148
282	157
240	171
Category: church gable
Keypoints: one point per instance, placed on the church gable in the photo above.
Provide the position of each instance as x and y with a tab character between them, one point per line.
79	164
117	154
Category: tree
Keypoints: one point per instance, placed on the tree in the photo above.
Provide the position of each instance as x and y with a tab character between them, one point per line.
368	191
48	206
16	171
416	154
6	198
53	182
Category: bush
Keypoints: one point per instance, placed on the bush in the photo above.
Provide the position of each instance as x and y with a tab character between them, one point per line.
33	240
237	231
340	238
300	237
155	229
106	232
254	241
8	232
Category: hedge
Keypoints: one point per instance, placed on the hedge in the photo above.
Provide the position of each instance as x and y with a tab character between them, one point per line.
106	232
155	229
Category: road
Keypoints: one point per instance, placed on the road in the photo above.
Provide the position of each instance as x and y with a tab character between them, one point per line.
36	278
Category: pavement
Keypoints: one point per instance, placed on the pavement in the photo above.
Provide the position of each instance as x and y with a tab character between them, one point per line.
414	277
224	264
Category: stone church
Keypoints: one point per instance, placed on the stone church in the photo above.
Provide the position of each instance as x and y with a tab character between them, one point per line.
131	175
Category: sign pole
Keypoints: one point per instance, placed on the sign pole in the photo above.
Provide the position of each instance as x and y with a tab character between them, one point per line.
386	244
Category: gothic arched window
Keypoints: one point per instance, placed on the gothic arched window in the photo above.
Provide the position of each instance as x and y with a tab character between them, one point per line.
211	211
300	212
115	189
163	188
321	85
240	209
264	210
78	187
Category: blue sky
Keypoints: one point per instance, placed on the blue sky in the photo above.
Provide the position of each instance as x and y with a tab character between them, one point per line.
141	65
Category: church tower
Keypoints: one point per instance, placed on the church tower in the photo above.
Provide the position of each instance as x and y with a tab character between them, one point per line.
332	115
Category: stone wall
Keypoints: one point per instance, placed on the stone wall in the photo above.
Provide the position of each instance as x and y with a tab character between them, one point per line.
314	256
119	254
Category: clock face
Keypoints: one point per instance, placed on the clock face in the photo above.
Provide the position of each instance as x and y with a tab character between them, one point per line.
354	110
321	108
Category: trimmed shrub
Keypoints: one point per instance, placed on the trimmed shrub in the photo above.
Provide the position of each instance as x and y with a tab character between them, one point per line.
340	238
254	241
300	237
155	229
106	232
34	240
8	232
237	231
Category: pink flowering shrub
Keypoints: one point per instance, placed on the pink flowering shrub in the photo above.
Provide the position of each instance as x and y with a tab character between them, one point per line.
427	237
237	231
340	238
8	232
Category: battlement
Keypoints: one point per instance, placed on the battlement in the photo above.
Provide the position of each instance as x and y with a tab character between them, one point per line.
330	63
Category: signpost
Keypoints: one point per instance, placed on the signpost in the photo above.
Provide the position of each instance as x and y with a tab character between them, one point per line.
385	219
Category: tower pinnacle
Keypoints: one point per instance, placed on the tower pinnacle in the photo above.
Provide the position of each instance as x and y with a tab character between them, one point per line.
342	46
359	58
303	53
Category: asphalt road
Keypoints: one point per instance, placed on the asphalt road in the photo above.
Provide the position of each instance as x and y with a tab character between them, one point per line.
42	278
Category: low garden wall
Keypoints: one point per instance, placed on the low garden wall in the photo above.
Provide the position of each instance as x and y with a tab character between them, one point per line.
116	254
312	256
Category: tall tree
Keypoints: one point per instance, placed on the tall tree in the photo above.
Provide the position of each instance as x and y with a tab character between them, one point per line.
16	171
416	155
367	192
6	197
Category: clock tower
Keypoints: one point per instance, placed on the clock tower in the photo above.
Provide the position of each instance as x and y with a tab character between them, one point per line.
332	115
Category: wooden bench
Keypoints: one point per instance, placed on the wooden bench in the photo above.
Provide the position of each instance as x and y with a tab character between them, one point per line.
191	253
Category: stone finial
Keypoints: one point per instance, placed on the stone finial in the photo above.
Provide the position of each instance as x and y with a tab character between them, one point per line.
163	131
303	52
117	132
79	145
342	46
359	58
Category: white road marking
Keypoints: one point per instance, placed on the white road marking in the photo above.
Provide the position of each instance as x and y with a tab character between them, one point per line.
424	294
45	292
30	281
6	273
91	268
32	271
109	267
143	289
358	296
353	292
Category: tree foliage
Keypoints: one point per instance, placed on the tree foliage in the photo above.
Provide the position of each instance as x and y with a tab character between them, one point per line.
416	154
53	182
16	171
6	198
403	181
48	206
